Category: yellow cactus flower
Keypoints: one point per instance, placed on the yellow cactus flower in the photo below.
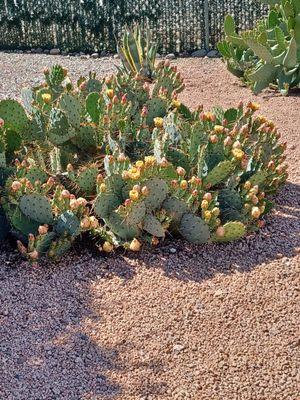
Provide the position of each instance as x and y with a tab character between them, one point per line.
46	98
158	122
134	195
253	106
85	223
145	191
219	129
150	161
176	103
238	154
139	164
215	211
247	185
134	173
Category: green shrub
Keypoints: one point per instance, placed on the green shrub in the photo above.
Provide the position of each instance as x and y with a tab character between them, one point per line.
270	53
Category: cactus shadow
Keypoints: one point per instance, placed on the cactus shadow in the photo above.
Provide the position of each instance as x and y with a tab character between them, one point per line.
279	239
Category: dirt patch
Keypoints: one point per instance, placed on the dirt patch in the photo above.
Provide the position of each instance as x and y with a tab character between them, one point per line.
183	322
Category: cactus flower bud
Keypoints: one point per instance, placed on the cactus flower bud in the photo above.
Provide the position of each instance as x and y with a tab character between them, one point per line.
204	204
154	241
1	122
207	196
227	141
253	106
164	162
167	64
15	186
145	191
107	247
94	222
65	194
174	183
83	86
195	193
213	139
134	195
247	185
255	212
124	99
43	229
136	188
31	237
207	215
135	245
215	211
183	184
110	93
34	255
220	232
85	223
22	249
81	201
70	168
127	202
46	71
144	111
180	171
139	164
115	99
238	154
46	98
158	122
121	157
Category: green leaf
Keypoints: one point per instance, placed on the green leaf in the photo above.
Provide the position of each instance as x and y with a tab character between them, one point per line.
290	59
260	50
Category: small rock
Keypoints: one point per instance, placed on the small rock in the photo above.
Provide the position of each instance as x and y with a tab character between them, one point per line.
82	53
102	54
54	52
46	51
213	54
170	56
64	53
95	55
219	293
199	53
172	250
39	50
116	56
83	57
178	347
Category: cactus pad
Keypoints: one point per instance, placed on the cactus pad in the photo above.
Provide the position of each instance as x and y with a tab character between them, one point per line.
105	203
219	173
153	226
194	229
175	208
37	208
13	115
21	223
36	174
59	128
157	107
234	230
136	214
67	224
119	227
86	180
158	190
72	108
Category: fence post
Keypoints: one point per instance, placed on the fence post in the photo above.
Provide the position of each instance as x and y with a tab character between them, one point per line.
206	24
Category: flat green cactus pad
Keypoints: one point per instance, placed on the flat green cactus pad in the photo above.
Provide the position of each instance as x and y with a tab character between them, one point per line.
234	230
13	114
121	229
87	180
153	226
36	174
67	224
230	204
21	223
175	208
220	172
194	229
158	190
72	107
37	208
136	214
157	107
105	203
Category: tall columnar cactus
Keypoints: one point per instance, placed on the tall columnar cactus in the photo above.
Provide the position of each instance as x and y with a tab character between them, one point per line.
269	54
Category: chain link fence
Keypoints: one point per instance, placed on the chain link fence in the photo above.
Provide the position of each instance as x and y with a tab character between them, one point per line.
93	25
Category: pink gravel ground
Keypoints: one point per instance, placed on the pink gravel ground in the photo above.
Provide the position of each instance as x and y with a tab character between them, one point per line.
181	322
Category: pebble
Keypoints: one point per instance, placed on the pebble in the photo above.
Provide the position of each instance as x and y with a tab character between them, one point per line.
199	53
170	56
213	54
54	52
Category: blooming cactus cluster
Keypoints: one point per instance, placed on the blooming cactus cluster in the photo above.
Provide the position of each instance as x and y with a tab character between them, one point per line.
122	162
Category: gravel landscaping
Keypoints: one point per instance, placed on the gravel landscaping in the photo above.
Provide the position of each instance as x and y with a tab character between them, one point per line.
213	322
